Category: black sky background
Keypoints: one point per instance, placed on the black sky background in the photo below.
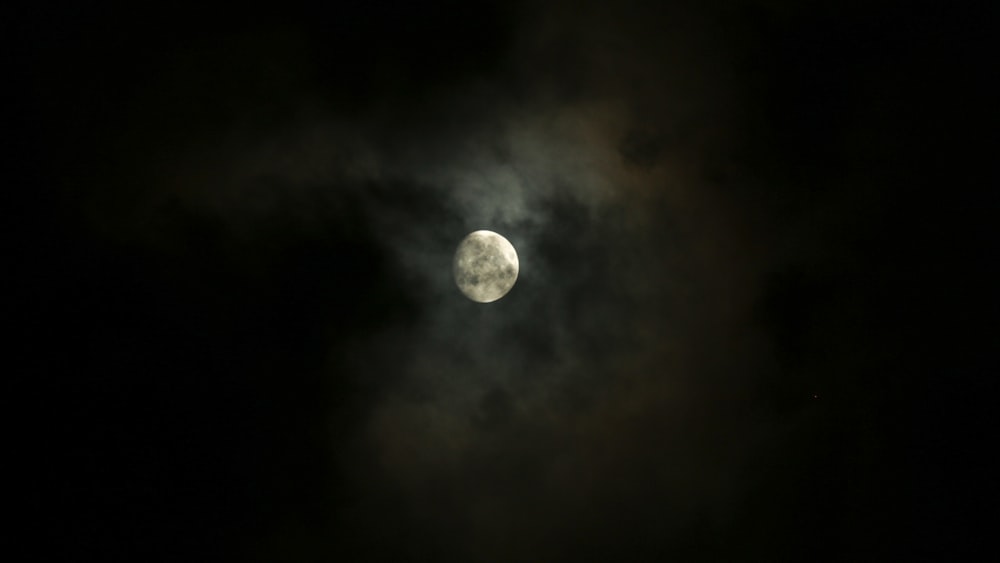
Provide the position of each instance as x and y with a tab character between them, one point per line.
751	323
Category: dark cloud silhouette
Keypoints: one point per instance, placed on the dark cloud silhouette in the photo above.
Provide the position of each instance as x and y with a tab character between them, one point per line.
243	341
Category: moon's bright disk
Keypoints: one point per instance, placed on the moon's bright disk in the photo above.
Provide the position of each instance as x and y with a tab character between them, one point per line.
485	266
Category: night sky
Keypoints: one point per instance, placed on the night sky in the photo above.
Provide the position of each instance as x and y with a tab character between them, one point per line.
750	324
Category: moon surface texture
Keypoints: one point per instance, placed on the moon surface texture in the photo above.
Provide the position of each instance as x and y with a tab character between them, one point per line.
485	266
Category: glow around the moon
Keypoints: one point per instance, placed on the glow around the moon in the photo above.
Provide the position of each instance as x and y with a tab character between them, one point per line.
485	266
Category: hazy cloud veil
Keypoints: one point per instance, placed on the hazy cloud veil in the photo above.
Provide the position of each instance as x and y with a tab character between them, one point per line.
246	232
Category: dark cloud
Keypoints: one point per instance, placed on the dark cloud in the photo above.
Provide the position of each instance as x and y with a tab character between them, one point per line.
245	343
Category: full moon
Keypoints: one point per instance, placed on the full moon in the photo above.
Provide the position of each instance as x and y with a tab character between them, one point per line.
485	266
